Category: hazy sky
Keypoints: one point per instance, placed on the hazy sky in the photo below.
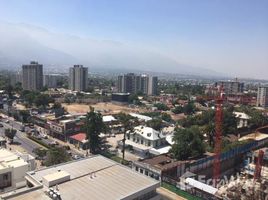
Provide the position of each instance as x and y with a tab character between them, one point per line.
229	36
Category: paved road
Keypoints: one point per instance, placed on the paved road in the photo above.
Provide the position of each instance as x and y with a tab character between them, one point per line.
21	138
27	143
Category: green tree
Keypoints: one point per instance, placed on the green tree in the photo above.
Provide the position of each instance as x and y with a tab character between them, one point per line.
189	108
10	134
155	123
42	100
161	106
9	90
257	119
94	126
178	110
166	117
128	123
56	155
187	143
24	115
40	152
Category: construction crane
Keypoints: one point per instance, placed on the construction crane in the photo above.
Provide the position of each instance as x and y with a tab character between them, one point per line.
258	166
218	137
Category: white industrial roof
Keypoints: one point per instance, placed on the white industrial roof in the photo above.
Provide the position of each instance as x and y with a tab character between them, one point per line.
141	117
95	178
201	186
148	133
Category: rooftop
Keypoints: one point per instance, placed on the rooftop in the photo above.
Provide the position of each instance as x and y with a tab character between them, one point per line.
162	162
254	136
94	177
148	133
141	117
9	159
108	118
81	137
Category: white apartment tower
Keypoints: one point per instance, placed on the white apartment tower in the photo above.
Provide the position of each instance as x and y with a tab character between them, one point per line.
32	76
78	78
262	97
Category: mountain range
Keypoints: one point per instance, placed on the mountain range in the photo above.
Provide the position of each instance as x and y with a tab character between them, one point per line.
21	43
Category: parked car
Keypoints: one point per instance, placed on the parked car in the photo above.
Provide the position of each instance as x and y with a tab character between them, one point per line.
76	157
53	143
22	128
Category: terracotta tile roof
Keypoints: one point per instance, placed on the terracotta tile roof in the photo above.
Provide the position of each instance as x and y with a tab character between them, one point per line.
79	137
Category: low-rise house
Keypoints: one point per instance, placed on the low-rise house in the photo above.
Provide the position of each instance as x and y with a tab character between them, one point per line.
13	168
64	128
242	119
79	140
145	141
160	167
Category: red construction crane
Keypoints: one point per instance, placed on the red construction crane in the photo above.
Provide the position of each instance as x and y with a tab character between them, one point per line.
258	166
218	136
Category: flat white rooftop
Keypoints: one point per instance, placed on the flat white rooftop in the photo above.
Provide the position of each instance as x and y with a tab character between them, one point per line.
9	159
95	178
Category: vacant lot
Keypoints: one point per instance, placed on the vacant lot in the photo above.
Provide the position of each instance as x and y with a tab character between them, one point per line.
104	108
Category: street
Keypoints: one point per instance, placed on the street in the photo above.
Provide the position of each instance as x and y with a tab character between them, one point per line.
20	138
29	145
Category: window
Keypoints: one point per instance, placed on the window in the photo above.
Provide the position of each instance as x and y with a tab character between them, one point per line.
146	173
5	177
137	169
141	171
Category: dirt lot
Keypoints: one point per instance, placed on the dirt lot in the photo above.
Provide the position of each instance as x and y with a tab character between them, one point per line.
104	108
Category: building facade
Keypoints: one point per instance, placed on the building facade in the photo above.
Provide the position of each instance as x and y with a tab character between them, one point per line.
32	76
13	168
78	78
231	87
132	83
51	80
262	97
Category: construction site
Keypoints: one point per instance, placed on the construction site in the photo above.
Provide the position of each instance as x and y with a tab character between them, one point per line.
241	173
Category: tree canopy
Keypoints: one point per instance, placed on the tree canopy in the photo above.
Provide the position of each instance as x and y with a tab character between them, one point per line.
94	126
187	143
56	155
10	134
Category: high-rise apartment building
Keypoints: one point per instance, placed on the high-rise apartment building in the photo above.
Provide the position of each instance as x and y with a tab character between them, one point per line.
152	85
51	80
262	97
32	76
231	87
132	83
78	78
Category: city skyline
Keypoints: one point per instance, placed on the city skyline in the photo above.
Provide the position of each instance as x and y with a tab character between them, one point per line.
227	37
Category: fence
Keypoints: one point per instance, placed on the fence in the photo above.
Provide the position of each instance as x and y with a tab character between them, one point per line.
208	161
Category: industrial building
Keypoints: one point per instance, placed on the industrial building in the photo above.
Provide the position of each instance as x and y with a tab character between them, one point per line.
94	177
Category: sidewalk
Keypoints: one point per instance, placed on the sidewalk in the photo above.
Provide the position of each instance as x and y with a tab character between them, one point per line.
72	147
168	194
